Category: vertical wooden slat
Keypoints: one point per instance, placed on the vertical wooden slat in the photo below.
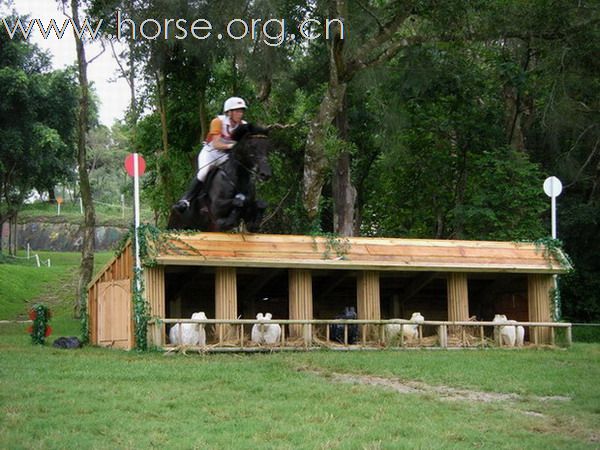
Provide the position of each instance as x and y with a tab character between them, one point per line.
226	299
368	300
301	301
154	285
401	335
458	299
539	301
396	306
92	309
482	335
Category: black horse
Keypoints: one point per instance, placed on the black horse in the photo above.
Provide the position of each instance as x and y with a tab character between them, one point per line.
230	195
336	330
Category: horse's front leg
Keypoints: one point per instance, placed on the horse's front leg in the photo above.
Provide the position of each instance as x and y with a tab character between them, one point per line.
254	215
227	214
231	221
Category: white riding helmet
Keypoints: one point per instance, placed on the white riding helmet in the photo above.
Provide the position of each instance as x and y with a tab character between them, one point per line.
234	103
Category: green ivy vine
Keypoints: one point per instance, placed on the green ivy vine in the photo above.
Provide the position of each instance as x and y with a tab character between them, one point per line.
333	243
141	311
85	324
39	330
152	241
553	248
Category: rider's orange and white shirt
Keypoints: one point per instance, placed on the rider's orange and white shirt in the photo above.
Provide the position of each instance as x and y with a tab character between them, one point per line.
222	127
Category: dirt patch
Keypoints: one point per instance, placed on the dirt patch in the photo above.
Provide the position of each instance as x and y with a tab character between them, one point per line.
442	392
533	414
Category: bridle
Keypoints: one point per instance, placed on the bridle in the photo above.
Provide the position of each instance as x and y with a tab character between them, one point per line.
251	171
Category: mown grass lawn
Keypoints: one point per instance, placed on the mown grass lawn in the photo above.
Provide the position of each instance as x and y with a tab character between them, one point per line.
99	398
71	212
22	283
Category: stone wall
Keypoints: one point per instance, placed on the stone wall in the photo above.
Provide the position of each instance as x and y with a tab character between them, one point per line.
64	237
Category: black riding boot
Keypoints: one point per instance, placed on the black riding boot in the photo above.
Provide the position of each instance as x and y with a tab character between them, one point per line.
194	189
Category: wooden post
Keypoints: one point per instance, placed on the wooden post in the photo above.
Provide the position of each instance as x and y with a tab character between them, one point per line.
458	299
395	306
368	300
226	299
569	335
401	335
301	301
539	301
443	332
154	291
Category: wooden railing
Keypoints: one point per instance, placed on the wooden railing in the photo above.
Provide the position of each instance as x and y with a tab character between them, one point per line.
229	335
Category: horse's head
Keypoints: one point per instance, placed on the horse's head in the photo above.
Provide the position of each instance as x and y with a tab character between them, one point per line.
252	149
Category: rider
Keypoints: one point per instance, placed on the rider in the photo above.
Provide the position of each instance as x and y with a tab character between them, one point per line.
218	143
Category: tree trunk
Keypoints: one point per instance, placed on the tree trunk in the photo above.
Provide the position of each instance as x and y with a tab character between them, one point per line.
12	235
162	168
514	118
162	108
381	47
344	197
315	160
87	250
133	105
459	195
594	197
517	105
344	193
203	114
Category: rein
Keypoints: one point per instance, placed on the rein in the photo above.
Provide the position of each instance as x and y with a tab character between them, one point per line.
252	136
251	171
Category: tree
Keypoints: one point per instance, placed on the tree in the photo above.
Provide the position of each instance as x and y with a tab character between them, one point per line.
36	123
83	125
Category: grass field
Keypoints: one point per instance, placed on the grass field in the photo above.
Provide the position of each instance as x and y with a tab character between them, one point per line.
71	212
22	283
98	398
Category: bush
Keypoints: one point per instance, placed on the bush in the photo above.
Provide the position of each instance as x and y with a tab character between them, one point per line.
586	333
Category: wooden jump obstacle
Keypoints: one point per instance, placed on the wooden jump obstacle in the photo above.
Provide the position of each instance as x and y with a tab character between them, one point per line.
304	257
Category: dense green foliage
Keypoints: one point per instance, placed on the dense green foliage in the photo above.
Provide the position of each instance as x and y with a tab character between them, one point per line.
37	121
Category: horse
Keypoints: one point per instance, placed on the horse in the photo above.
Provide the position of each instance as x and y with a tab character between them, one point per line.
230	194
336	330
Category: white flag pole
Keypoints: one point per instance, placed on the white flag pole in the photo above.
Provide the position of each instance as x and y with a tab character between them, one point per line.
136	201
553	188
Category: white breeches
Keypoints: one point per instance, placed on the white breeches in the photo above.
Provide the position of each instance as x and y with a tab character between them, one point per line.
207	158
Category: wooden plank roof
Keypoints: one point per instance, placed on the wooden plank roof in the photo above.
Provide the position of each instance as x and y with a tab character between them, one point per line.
354	253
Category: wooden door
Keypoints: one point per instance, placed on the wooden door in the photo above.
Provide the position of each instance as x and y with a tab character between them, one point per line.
114	314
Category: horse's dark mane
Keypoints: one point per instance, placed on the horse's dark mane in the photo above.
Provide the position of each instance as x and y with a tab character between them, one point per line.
247	129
